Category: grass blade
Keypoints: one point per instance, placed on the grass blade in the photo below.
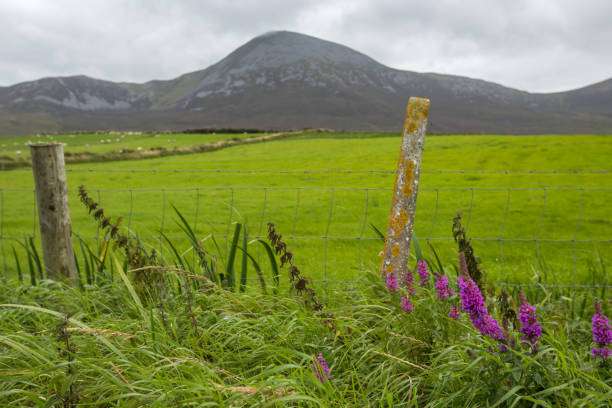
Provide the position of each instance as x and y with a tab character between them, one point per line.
417	247
231	277
378	232
26	246
19	275
86	260
433	250
130	289
257	268
78	270
36	258
177	256
243	273
273	263
102	258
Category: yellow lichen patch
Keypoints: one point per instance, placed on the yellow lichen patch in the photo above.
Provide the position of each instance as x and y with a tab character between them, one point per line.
389	268
395	250
409	108
409	177
425	110
412	127
418	108
407	189
399	222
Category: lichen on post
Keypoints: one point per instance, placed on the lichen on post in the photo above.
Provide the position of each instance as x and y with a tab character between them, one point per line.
401	218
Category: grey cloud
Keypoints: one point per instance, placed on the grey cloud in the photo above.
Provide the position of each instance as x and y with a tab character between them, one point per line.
531	45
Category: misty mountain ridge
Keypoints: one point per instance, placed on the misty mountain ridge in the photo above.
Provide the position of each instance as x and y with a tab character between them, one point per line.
286	80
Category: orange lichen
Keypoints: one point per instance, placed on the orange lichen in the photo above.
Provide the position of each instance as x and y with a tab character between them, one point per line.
417	109
407	189
398	223
389	268
409	177
426	110
412	127
395	250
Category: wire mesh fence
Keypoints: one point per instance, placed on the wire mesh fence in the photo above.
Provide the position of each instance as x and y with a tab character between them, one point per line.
546	235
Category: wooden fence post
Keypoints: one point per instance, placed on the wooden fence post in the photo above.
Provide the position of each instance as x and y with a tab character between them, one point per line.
53	214
401	219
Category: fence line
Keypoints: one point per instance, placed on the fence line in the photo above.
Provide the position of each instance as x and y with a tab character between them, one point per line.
360	237
227	171
543	188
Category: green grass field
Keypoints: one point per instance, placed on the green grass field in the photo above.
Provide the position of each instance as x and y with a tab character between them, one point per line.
550	208
17	147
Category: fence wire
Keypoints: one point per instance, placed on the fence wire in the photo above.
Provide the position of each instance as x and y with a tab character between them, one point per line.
364	242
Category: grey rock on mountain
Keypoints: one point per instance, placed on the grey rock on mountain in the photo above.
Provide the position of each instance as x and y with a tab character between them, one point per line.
286	80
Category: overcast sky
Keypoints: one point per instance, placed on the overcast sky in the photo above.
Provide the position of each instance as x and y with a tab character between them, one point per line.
533	45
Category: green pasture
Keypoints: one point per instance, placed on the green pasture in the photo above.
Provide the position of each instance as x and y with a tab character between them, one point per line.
555	216
17	147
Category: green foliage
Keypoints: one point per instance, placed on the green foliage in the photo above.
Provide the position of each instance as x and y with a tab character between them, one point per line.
252	349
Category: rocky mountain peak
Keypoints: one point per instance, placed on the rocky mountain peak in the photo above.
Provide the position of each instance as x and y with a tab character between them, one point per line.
278	48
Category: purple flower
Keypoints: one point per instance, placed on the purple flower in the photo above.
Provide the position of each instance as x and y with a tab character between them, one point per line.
406	305
471	298
602	335
423	272
602	351
442	288
392	283
530	327
320	368
409	282
487	325
454	312
473	303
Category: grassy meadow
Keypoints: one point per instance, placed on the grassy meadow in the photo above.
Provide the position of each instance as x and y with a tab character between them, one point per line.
173	333
100	143
549	208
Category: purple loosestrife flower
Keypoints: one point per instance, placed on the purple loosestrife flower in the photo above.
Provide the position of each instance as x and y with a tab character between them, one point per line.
320	368
423	272
454	312
487	325
409	282
406	305
473	303
392	283
442	288
602	335
530	327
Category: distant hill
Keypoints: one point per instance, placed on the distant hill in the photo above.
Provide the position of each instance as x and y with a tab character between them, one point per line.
286	80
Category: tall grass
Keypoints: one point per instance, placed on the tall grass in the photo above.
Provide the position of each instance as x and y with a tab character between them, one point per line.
202	338
253	349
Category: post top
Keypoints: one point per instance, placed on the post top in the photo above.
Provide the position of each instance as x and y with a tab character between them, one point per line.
418	104
43	144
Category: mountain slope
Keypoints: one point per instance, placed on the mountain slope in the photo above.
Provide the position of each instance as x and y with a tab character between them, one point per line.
289	80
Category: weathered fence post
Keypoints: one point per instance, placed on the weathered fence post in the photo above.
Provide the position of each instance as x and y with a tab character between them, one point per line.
53	214
401	219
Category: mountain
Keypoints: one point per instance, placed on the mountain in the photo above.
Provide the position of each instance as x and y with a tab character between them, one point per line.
286	80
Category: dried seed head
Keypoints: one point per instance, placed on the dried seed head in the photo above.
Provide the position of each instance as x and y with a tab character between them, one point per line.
463	266
522	297
598	309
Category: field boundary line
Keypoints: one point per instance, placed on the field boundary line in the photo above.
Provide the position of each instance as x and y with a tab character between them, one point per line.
89	157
